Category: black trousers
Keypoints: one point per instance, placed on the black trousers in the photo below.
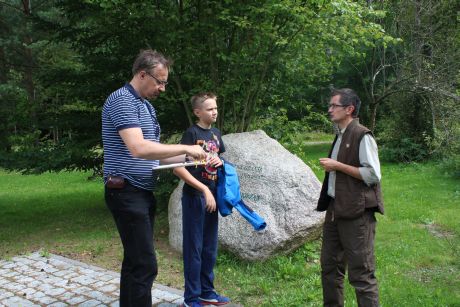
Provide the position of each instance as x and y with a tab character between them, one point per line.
133	210
349	243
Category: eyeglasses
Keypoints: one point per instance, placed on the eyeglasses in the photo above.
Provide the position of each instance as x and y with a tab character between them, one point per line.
333	106
160	82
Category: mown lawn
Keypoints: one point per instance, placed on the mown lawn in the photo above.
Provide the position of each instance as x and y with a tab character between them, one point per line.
417	243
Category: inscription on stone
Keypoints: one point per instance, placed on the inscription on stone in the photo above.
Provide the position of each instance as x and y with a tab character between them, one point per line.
249	168
243	176
248	172
251	196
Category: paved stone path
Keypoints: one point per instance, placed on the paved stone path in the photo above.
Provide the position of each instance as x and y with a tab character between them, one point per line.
35	280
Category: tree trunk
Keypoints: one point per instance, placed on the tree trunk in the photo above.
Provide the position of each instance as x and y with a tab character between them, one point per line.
184	101
29	71
373	108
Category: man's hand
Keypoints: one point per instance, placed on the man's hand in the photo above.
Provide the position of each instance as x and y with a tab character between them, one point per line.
210	201
328	164
196	152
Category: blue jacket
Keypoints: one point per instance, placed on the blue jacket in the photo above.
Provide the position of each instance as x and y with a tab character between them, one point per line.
229	196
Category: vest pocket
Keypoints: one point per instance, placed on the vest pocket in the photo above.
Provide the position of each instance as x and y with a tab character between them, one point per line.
370	198
349	205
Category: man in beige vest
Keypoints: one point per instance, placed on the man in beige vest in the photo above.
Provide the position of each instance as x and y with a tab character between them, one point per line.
351	195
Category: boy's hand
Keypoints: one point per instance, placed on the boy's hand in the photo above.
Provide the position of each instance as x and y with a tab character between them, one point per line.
210	201
214	162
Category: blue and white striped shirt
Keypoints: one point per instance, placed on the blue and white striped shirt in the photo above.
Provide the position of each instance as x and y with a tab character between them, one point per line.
123	109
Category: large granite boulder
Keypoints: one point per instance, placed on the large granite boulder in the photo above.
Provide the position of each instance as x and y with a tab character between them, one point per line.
274	183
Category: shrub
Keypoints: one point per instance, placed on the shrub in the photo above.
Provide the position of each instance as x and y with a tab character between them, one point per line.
277	125
403	150
407	150
451	165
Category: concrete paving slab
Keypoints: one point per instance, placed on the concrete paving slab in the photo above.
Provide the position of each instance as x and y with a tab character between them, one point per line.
35	280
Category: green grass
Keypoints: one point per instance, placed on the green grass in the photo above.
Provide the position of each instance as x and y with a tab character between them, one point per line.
310	154
417	241
49	207
65	214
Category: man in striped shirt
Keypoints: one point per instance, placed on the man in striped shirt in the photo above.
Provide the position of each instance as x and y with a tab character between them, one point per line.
131	135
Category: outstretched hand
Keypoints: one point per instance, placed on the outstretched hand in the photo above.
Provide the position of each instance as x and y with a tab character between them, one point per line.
196	152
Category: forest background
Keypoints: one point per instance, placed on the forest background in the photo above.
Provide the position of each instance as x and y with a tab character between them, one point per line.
272	64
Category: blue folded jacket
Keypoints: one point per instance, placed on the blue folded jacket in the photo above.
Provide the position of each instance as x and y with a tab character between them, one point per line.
229	196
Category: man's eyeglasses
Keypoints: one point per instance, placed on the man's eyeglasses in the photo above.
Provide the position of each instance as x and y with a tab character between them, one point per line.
333	106
160	82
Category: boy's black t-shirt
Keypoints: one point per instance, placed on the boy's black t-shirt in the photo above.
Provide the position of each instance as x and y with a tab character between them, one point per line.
211	141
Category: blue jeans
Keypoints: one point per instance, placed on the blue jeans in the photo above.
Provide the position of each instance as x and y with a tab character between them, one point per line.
133	210
199	233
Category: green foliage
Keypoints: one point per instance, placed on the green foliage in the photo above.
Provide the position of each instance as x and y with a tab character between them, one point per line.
405	130
48	156
451	165
44	125
403	150
165	184
277	124
60	60
405	84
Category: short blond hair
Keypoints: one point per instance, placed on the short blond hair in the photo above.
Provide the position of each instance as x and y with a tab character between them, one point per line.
198	99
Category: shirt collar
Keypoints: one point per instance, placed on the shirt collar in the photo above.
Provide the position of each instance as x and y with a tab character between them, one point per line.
339	131
342	131
131	89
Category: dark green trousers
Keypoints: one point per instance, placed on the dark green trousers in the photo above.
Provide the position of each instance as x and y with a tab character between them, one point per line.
349	244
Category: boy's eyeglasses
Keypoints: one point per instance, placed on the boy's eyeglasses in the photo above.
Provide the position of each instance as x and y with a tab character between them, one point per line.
160	82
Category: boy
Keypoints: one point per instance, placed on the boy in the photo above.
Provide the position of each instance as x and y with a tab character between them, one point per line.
199	214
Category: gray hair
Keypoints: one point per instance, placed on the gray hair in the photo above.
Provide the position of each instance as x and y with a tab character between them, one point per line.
149	59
